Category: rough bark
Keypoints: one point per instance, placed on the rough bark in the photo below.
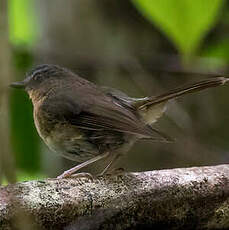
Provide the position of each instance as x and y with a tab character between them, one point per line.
191	198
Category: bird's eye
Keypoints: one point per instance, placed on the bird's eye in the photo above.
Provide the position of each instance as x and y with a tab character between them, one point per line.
37	78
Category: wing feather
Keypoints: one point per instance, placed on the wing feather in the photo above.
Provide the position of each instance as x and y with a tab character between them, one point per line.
97	111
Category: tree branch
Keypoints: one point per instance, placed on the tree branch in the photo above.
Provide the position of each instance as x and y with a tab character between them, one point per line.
191	198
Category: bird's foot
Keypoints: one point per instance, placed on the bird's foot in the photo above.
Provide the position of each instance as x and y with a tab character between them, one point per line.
118	171
115	172
66	174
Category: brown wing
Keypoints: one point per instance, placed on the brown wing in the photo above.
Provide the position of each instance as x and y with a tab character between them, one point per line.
97	111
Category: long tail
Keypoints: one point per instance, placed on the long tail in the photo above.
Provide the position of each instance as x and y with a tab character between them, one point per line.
190	88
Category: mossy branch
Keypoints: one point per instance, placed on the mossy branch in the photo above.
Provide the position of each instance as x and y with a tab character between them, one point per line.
189	198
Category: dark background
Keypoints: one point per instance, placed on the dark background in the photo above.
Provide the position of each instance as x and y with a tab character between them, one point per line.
141	47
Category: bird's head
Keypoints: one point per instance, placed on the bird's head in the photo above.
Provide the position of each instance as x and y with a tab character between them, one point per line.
43	78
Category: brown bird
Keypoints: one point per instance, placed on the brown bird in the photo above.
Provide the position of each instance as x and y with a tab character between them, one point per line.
86	123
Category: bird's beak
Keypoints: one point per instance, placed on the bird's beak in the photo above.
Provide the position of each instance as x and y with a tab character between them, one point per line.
18	85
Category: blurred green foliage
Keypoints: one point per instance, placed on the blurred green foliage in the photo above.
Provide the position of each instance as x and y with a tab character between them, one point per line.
185	22
23	31
23	26
218	50
25	141
22	176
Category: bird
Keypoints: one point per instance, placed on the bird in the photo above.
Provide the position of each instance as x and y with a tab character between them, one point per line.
86	123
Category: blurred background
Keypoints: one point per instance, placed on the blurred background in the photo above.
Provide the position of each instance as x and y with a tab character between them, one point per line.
142	47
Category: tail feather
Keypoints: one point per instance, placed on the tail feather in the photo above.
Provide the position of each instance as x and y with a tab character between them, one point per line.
190	88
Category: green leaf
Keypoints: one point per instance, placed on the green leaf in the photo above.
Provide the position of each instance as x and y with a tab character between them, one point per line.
185	22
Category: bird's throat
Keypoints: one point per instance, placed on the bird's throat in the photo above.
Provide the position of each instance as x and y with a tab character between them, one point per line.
36	97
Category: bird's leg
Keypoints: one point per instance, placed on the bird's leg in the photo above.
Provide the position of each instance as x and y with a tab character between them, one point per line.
71	171
111	163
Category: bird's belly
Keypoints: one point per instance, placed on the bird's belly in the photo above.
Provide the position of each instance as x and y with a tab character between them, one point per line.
77	144
73	147
63	138
66	141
